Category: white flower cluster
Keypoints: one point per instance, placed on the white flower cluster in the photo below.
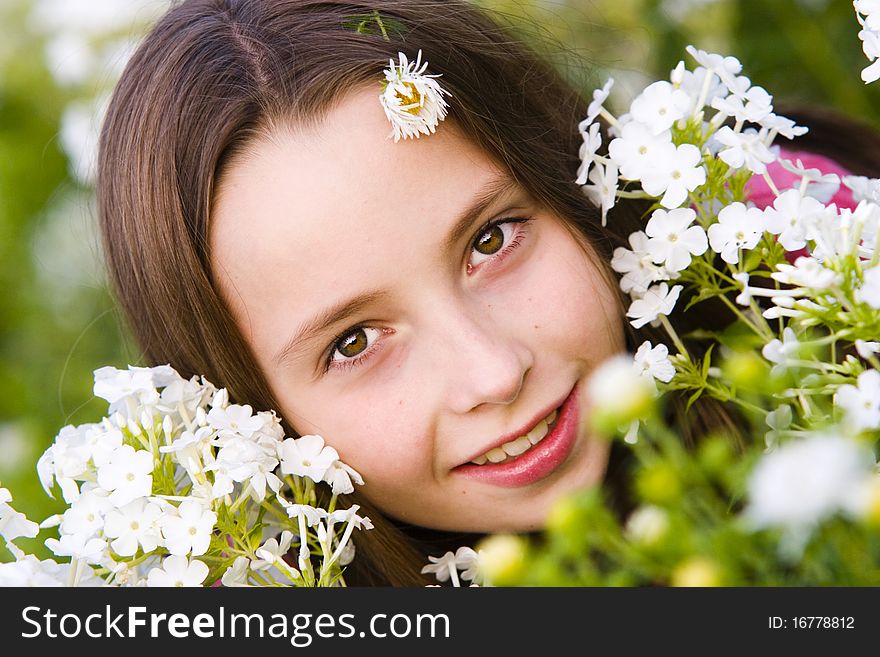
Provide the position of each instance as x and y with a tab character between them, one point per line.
177	486
668	146
814	266
868	15
807	481
446	567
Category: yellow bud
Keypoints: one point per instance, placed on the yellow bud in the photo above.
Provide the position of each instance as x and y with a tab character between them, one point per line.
697	571
563	516
618	395
872	510
502	558
659	484
745	369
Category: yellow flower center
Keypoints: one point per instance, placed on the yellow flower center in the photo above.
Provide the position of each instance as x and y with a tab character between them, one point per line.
413	98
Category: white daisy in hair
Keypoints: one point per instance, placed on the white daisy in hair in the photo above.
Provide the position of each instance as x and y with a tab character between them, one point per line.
412	100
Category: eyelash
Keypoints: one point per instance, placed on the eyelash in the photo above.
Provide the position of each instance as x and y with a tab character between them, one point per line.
516	240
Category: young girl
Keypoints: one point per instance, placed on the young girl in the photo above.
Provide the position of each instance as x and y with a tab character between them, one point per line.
431	306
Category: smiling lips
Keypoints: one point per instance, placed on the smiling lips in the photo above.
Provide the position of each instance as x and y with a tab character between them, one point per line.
530	457
519	445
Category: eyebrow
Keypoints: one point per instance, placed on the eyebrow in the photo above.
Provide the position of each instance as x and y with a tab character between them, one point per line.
323	320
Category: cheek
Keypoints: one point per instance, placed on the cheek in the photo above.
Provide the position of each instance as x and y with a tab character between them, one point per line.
569	302
378	432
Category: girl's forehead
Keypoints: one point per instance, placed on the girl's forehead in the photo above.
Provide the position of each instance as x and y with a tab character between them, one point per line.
322	205
345	165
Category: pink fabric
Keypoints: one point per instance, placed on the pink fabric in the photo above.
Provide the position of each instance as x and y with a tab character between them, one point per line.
758	191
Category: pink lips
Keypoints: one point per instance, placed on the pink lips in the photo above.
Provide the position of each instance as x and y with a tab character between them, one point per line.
540	460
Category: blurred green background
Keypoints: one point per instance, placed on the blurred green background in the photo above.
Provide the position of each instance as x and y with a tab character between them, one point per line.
59	60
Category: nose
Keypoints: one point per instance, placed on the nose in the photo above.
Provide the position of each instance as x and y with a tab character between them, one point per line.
484	361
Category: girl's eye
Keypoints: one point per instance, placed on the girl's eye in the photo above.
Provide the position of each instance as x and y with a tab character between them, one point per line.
352	346
496	240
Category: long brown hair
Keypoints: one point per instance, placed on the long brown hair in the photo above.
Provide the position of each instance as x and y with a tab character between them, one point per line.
212	74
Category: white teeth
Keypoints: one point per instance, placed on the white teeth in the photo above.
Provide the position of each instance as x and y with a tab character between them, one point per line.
517	446
535	435
496	455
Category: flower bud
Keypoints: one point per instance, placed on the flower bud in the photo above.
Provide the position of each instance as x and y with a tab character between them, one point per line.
502	558
697	571
647	525
745	369
618	395
659	484
872	505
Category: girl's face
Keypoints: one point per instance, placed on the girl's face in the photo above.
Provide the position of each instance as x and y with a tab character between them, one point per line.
415	307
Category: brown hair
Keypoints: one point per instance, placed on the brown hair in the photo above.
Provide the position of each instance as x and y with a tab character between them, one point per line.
212	74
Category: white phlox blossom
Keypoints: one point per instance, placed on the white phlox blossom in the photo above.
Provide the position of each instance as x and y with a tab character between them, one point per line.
246	459
659	106
863	188
636	266
775	124
235	420
596	105
66	461
743	149
738	227
754	105
778	420
805	481
658	301
727	68
587	154
127	475
177	570
638	149
412	99
680	171
237	573
653	362
784	218
87	513
813	183
192	450
782	352
702	86
869	291
861	402
132	526
306	456
806	272
866	348
602	188
446	568
189	529
833	233
14	524
673	238
78	546
32	572
272	551
342	478
131	389
869	18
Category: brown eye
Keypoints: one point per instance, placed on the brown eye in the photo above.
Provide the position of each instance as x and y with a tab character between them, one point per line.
491	241
352	344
